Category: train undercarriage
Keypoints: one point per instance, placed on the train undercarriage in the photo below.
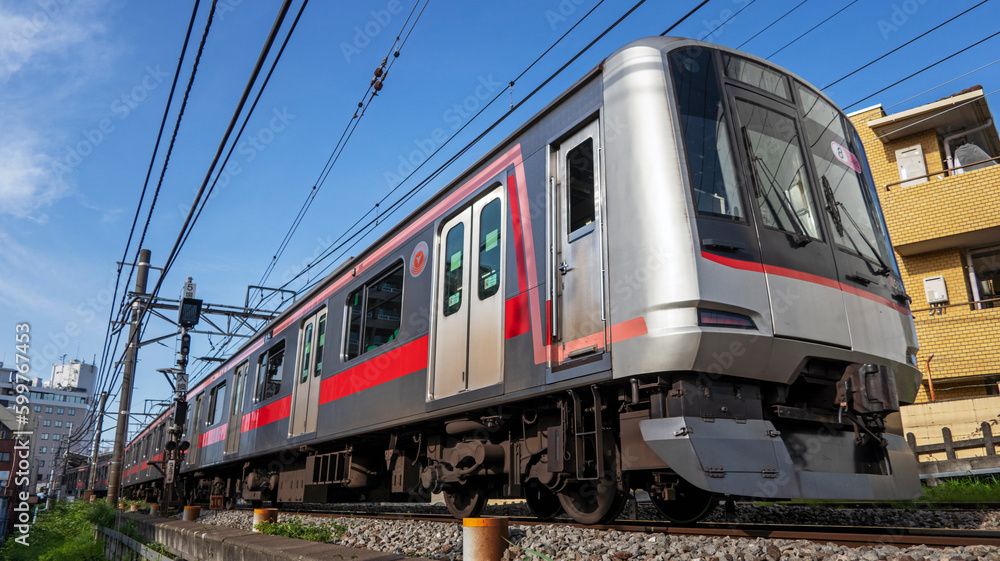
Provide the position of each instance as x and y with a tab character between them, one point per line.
580	452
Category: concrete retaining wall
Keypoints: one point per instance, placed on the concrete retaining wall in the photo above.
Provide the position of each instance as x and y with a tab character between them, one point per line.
193	541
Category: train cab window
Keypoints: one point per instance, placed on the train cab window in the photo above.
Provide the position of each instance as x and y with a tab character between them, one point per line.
851	203
580	173
269	372
374	313
778	168
216	409
756	75
489	249
454	278
706	139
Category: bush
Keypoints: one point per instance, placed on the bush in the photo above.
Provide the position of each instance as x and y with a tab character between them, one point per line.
63	532
296	529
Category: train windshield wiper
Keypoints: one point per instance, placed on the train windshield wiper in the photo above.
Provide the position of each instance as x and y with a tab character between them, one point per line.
799	237
833	206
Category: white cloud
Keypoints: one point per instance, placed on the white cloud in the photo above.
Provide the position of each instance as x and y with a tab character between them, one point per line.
28	181
44	27
51	51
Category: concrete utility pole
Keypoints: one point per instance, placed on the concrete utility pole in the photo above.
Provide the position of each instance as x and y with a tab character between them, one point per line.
92	478
125	401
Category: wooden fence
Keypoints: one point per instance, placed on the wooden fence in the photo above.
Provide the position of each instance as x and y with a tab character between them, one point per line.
953	465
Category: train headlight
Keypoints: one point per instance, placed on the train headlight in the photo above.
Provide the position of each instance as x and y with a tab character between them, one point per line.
716	318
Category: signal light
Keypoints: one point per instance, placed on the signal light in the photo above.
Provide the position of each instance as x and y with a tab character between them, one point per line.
716	318
171	445
184	446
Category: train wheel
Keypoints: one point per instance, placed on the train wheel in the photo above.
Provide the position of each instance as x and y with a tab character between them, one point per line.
544	503
466	501
592	502
691	505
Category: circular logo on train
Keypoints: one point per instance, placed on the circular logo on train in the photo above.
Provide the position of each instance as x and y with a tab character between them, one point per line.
418	259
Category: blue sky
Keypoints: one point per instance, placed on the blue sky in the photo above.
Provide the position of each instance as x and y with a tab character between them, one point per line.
83	84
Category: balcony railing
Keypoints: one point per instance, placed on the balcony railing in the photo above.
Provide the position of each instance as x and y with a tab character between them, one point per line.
932	174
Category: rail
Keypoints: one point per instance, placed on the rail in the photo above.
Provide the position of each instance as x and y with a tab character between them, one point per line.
926	175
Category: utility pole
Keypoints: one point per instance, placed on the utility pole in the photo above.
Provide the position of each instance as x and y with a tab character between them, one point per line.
125	401
52	476
92	478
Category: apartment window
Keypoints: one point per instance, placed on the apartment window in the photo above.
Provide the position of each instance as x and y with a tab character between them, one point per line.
984	275
71	412
60	411
4	456
48	409
374	313
55	436
46	423
41	463
269	372
45	436
58	424
38	409
69	424
215	401
45	449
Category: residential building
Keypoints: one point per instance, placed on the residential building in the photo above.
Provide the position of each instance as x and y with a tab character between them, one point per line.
937	177
61	414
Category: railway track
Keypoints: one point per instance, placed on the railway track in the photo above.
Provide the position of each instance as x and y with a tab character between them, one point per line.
852	536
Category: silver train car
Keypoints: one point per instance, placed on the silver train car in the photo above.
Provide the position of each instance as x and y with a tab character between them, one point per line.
675	277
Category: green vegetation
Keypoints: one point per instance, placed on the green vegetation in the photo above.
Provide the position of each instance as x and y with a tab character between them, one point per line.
531	551
964	490
324	533
65	531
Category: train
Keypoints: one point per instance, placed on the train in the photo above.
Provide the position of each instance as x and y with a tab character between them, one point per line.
675	278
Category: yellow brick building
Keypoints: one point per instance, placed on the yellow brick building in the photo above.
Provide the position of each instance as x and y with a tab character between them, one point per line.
938	181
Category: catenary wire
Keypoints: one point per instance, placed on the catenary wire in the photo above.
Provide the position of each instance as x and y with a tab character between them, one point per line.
938	26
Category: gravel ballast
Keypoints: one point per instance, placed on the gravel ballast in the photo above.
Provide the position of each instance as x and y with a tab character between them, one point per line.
443	540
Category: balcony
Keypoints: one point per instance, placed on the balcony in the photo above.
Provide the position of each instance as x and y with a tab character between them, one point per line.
945	211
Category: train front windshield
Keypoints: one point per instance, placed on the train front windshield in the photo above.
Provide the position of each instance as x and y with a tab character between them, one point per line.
758	140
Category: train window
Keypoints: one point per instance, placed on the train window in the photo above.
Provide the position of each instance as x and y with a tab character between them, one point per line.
852	209
782	180
239	386
307	349
489	249
320	342
756	75
580	172
454	278
269	372
374	313
216	410
706	139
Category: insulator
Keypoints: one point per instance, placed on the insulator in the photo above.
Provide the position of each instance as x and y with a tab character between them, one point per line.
378	71
374	80
377	84
395	54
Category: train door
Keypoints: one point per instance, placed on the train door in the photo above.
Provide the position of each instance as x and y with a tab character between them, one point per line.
798	261
578	278
305	399
235	423
468	342
194	431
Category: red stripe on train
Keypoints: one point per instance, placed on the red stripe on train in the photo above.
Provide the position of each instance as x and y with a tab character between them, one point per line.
267	414
403	360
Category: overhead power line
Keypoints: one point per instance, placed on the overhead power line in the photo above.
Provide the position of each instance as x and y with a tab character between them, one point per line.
924	69
768	26
813	28
938	26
